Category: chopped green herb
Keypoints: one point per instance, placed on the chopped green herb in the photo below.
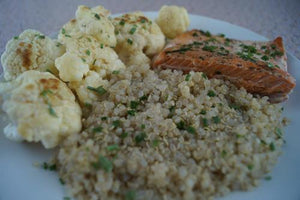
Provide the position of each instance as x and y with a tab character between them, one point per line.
248	48
113	147
16	37
101	46
278	132
122	22
195	34
143	98
83	60
181	50
211	93
155	142
205	122
88	52
103	163
67	198
44	93
273	46
263	47
277	66
265	58
276	53
239	136
124	135
187	77
51	110
45	165
209	48
191	130
41	36
103	118
100	90
234	106
268	178
204	75
143	20
130	195
202	112
206	33
263	142
89	39
115	72
116	123
131	112
223	153
140	137
221	35
270	65
88	105
172	109
143	126
117	32
272	146
129	41
216	119
61	181
134	104
97	129
97	16
246	56
250	166
68	35
132	30
63	31
94	62
180	125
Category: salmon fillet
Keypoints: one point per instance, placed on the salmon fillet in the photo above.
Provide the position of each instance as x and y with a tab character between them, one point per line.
259	67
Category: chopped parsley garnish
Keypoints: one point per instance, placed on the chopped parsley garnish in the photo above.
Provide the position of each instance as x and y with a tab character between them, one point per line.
268	178
88	52
187	77
16	37
68	35
44	93
263	142
103	163
100	90
221	35
113	147
234	106
89	39
209	48
250	166
61	181
272	146
270	65
265	58
211	93
103	118
278	132
140	137
88	105
273	46
41	36
67	198
205	122
223	153
191	130
276	53
83	60
134	104
195	34
131	112
246	56
51	110
202	112
130	195
172	109
204	75
181	50
124	135
180	125
122	22
143	98
94	62
97	129
206	33
129	41
97	16
101	46
116	123
263	47
227	42
51	167
115	72
143	126
63	31
155	142
143	20
216	119
132	30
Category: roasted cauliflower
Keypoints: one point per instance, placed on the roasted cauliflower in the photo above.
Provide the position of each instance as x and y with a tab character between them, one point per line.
31	50
173	20
40	108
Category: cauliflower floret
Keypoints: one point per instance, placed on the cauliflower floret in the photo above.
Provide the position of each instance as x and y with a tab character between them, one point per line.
71	67
10	131
30	51
93	22
40	107
135	33
84	89
173	20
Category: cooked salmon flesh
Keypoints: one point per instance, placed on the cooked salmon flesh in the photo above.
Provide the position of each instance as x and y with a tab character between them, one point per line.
259	67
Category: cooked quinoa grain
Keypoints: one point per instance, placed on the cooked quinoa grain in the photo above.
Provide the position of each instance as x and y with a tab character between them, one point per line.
165	138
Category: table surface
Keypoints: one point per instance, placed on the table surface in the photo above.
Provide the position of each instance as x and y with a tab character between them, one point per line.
270	18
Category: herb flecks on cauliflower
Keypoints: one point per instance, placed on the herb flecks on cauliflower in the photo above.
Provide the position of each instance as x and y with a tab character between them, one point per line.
40	107
31	50
173	20
137	34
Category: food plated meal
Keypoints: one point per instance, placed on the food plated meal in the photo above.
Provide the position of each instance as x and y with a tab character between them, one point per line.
148	133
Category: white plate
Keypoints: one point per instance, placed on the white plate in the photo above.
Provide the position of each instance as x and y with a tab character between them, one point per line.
19	179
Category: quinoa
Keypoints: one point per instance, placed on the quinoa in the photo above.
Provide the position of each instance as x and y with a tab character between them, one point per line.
168	135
